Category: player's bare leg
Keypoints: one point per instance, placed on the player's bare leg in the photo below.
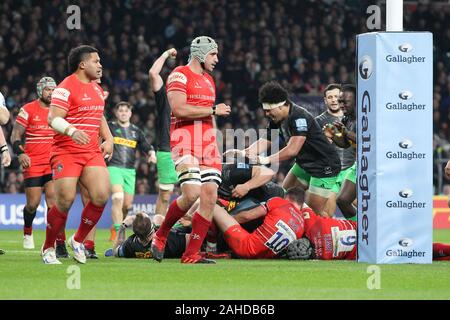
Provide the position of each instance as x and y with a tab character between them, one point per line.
127	204
330	205
345	199
189	174
117	197
162	203
316	202
291	181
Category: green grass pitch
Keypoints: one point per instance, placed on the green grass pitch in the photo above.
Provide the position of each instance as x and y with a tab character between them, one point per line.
24	276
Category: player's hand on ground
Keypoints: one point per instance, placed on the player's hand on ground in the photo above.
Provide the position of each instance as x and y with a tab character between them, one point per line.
447	170
107	148
6	159
151	157
80	137
240	191
223	110
24	161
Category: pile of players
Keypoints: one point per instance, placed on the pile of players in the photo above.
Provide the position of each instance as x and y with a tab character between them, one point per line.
222	207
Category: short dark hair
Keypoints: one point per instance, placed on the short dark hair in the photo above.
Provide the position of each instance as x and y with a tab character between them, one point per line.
78	54
272	92
349	88
123	103
330	87
142	226
296	194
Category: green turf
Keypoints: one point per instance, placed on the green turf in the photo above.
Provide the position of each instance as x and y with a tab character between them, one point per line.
24	276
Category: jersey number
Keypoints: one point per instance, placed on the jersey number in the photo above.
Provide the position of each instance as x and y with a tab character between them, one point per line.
281	238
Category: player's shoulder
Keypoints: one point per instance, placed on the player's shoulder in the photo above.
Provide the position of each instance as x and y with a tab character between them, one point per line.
179	74
30	106
276	202
322	116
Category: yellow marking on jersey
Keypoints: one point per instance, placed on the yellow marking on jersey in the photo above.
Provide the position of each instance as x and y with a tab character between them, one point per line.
125	142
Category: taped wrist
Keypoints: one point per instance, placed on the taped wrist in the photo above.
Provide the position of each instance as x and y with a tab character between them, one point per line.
4	148
62	126
18	147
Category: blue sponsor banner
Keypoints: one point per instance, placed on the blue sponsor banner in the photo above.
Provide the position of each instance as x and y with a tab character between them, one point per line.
395	127
11	211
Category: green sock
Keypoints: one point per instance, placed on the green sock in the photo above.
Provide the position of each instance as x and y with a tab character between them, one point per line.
116	226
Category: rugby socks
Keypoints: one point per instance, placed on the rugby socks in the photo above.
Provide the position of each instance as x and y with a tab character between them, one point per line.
173	215
61	237
200	227
211	238
116	226
89	218
28	218
441	250
89	244
55	222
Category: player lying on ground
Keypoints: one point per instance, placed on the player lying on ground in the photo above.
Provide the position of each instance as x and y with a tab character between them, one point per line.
283	224
139	243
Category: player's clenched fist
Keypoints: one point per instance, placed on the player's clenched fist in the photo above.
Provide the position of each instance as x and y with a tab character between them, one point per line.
80	137
222	109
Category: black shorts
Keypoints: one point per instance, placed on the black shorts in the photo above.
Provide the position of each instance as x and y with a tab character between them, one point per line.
37	181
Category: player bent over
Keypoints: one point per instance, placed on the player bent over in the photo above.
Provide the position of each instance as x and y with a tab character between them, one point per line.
34	158
76	111
191	94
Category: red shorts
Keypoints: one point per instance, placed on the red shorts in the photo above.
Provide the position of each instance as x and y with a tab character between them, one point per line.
35	171
69	165
202	145
246	245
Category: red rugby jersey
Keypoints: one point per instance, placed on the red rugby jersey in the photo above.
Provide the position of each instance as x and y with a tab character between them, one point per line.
38	134
84	103
199	89
282	225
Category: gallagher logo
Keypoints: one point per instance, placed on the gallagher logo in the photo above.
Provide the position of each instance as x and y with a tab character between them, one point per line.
405	144
405	242
365	67
405	95
405	47
406	193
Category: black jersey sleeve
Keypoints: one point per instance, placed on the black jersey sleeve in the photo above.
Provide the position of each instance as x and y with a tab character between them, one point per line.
126	249
144	145
299	124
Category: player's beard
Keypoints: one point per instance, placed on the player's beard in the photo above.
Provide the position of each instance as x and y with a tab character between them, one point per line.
334	111
46	101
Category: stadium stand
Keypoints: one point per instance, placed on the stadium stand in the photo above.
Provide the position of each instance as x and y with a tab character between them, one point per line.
303	44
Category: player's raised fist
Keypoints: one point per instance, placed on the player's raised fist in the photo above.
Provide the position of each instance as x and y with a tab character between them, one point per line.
171	53
223	110
80	137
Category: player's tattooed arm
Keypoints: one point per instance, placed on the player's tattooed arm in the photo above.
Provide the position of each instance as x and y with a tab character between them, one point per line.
18	148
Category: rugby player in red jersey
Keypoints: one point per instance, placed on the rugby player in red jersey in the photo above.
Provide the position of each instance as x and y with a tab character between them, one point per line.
283	224
191	94
34	158
76	112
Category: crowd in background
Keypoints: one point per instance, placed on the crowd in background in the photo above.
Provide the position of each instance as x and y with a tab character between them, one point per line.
303	44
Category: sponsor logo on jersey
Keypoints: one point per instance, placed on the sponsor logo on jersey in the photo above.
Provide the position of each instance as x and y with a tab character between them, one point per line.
125	142
177	77
23	113
301	124
61	94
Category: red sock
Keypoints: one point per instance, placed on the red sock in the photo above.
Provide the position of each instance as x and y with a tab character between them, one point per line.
447	258
61	237
211	236
89	218
200	227
55	221
27	231
174	213
441	249
89	244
